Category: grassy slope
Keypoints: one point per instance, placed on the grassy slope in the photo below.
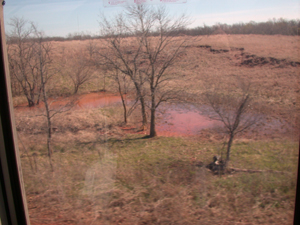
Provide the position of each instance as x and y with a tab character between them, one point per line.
276	86
140	181
105	176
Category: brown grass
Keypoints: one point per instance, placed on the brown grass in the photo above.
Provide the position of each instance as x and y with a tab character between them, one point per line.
275	86
106	175
153	182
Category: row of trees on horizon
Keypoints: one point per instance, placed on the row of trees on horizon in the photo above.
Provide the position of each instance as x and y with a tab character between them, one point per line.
272	27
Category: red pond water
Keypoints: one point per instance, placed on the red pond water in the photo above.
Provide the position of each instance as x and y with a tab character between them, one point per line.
94	100
86	101
173	121
177	121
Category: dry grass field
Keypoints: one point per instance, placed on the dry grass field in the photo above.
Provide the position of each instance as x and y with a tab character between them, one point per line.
108	174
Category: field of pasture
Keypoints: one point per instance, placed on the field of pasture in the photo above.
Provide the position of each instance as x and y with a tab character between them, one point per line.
108	173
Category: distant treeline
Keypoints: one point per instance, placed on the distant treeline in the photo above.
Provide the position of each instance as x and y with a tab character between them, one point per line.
71	36
271	27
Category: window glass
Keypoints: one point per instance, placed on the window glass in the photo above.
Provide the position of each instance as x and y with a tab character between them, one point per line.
156	112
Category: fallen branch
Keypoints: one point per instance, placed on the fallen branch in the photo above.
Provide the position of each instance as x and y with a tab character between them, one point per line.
255	171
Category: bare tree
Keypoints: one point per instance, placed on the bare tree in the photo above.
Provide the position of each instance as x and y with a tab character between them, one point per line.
160	52
124	87
124	55
42	52
234	111
43	56
79	68
21	55
98	65
143	44
15	86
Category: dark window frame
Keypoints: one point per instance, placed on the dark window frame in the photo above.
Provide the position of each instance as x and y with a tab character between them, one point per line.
13	205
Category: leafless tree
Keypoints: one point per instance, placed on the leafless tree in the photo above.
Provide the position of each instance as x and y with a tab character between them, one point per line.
79	68
160	52
44	60
124	55
143	43
99	66
234	111
21	55
15	86
42	52
124	88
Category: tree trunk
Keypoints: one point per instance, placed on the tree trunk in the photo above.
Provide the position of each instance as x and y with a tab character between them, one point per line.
143	108
49	146
152	121
231	136
104	83
31	95
48	116
30	102
76	87
152	124
125	112
49	126
123	102
29	99
144	116
39	95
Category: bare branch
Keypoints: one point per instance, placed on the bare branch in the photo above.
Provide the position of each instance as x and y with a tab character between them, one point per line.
233	112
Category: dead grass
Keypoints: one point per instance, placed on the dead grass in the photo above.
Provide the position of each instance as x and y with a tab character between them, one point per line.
276	86
104	175
278	46
140	181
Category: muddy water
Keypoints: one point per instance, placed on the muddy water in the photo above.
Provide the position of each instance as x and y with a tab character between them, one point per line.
176	120
85	101
94	100
172	120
